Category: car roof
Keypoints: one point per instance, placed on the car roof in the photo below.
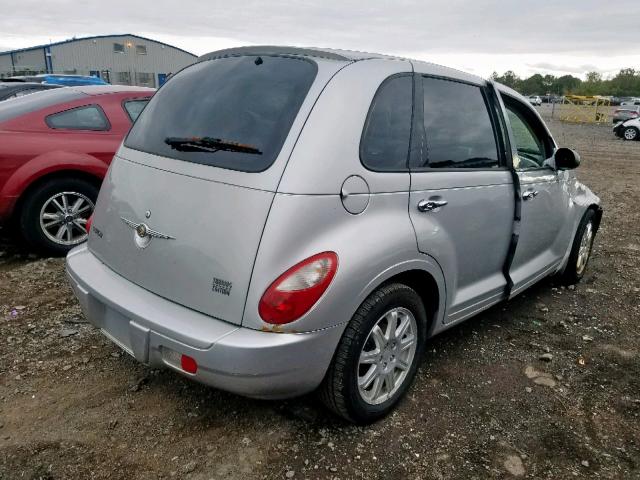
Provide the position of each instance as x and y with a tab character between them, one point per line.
24	84
104	89
339	55
328	53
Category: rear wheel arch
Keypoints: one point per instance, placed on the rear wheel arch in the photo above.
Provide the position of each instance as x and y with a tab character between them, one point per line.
43	179
425	277
425	285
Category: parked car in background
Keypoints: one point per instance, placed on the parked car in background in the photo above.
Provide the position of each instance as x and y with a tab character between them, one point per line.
247	240
55	79
535	100
55	148
625	113
628	129
630	101
18	89
552	98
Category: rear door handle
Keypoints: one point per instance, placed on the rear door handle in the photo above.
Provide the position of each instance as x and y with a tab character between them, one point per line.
529	194
430	205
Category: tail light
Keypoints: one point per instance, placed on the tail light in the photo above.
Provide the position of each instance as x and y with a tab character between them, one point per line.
89	222
298	289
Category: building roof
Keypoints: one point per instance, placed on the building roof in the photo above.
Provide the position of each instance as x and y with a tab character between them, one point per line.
71	40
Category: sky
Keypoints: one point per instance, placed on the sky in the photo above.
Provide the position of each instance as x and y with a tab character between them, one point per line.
556	37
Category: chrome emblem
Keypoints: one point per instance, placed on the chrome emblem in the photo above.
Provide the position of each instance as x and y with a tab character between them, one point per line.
143	234
141	230
147	214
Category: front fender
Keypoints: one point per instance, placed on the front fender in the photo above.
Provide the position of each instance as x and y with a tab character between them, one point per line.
582	199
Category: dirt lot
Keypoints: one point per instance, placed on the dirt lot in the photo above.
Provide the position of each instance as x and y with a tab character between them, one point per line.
484	405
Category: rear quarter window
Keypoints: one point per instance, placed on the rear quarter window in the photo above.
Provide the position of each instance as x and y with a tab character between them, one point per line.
89	117
247	103
384	145
134	108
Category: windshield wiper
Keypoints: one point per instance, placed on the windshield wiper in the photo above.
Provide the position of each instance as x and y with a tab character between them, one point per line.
209	144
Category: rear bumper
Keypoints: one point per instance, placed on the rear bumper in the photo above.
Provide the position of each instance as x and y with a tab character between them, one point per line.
152	329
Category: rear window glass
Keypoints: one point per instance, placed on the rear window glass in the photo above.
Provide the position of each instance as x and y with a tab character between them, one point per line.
16	107
232	113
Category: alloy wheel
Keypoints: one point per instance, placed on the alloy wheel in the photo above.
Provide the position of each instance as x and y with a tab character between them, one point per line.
63	218
387	355
630	133
585	248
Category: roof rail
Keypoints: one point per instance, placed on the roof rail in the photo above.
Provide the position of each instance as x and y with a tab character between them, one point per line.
272	50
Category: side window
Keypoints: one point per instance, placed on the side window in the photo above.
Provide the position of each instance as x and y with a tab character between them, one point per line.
387	132
529	136
134	107
457	126
81	118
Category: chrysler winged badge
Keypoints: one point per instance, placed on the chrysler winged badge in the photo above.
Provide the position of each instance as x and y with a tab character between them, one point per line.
143	234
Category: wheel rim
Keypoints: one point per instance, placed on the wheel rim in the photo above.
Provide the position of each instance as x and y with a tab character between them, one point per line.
387	355
63	218
630	134
585	249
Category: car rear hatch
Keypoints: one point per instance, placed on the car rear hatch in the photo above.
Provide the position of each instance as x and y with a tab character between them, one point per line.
185	201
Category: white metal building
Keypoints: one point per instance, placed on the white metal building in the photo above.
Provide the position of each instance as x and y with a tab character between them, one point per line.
119	59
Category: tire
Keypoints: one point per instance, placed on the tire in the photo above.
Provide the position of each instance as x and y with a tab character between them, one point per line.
41	202
340	391
577	264
630	133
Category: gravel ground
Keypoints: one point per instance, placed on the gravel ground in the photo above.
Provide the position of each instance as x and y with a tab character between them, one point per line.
544	386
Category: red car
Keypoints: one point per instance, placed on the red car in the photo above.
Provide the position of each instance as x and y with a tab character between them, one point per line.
55	148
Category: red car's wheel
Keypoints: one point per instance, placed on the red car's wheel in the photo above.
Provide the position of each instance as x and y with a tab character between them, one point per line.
54	216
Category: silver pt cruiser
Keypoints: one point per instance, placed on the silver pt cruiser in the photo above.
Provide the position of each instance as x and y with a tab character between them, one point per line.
281	220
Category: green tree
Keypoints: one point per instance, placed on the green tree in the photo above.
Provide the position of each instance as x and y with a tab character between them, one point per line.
626	83
566	84
593	85
510	79
594	77
533	85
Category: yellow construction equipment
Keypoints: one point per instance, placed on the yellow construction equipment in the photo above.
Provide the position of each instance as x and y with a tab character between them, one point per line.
584	109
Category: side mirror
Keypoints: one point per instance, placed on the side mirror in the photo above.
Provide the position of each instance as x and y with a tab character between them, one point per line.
566	159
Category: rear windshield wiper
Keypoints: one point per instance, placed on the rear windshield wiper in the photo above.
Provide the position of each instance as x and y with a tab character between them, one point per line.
209	144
